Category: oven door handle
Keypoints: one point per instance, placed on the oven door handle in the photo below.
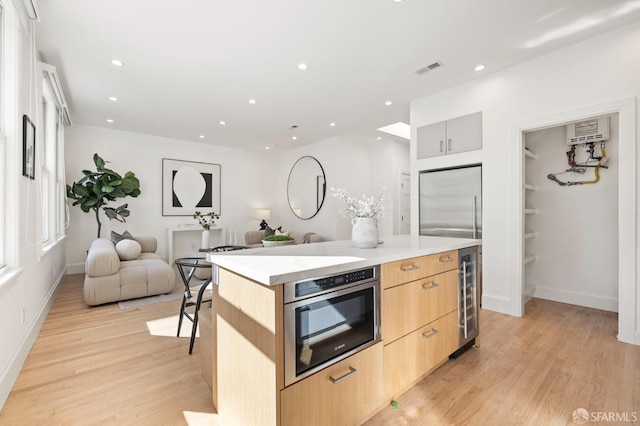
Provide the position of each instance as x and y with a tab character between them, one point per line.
351	372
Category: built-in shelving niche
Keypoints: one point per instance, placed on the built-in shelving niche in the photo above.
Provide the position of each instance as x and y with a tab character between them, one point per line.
529	233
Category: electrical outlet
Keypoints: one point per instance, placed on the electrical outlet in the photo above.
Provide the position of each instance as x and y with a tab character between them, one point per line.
193	245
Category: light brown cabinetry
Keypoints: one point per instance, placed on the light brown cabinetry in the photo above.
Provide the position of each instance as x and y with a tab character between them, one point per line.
419	312
409	358
345	393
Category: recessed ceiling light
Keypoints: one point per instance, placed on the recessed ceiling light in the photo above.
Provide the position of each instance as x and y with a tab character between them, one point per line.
302	66
222	123
266	147
295	138
379	138
479	67
397	1
117	63
252	101
201	136
388	103
113	99
332	124
109	120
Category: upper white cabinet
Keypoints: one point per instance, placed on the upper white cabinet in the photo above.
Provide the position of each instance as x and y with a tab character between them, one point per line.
450	136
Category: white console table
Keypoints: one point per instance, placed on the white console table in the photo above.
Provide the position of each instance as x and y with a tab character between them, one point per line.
193	234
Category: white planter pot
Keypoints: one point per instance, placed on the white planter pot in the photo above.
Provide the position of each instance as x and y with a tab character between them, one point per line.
364	233
205	239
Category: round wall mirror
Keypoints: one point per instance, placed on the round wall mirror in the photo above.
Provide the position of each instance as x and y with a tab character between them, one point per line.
306	187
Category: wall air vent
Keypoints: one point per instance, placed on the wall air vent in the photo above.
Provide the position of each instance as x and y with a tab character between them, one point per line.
429	67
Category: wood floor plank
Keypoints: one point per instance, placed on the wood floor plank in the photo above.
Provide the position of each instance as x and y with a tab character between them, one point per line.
101	366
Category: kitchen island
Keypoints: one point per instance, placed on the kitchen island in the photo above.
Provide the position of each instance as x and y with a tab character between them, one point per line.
419	317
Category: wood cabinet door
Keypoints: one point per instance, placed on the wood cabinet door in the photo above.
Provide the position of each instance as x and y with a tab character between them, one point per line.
464	133
431	140
342	394
408	307
407	359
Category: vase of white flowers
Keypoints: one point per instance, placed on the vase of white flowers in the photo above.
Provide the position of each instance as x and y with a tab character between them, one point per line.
364	213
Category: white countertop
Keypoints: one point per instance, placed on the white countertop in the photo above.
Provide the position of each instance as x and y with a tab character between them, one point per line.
277	265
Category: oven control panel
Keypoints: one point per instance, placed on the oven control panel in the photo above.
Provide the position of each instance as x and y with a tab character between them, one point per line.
319	285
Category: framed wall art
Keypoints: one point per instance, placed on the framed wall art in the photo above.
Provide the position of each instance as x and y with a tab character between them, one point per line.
28	148
188	186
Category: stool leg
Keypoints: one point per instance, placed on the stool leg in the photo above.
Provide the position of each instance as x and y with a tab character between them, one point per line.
184	301
195	315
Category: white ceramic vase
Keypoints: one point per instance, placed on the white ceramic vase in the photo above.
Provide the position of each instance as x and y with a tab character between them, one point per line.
364	233
205	239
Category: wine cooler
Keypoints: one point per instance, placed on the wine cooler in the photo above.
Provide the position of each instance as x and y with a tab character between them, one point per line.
467	298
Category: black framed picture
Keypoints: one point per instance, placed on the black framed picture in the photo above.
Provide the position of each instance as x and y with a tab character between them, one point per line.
188	186
28	148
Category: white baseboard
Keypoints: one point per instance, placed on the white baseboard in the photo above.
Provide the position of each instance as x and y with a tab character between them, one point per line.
10	374
575	298
75	268
500	304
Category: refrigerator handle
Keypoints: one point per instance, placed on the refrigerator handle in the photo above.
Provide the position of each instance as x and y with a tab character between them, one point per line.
475	221
441	146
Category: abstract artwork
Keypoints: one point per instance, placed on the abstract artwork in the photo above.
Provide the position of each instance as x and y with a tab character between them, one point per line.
188	186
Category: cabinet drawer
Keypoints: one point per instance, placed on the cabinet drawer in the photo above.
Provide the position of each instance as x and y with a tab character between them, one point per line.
410	357
403	271
409	306
319	400
441	262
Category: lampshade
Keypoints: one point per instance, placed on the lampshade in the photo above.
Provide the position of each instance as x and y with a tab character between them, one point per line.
263	214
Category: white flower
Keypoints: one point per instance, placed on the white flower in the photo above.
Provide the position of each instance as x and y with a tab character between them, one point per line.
362	207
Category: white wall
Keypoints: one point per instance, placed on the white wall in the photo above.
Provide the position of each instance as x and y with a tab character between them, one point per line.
560	82
25	296
359	166
576	245
246	180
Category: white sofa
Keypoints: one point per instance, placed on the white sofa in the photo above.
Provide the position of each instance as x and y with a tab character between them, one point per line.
109	279
254	238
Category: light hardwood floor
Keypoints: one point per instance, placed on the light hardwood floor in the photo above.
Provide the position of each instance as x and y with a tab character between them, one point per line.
101	365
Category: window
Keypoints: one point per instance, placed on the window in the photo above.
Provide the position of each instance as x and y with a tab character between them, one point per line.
52	164
3	143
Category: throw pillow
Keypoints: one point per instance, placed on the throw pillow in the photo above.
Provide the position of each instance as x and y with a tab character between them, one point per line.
116	238
128	249
268	231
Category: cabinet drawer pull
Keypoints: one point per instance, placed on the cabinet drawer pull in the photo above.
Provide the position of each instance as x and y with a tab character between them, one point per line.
409	268
351	372
430	335
446	259
430	286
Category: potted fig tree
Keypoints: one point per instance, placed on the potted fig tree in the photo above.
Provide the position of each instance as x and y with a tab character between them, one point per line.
98	188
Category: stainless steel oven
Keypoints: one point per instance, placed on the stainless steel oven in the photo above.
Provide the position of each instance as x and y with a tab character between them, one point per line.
326	319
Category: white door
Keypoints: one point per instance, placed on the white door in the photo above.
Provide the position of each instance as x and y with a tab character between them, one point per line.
405	204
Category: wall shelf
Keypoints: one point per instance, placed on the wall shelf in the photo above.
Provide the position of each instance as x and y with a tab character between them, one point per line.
529	259
530	187
530	235
530	211
530	154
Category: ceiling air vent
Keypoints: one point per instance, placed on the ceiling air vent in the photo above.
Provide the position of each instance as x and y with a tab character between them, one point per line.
429	67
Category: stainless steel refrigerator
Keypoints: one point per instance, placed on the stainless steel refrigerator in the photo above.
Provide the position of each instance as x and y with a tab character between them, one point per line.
451	202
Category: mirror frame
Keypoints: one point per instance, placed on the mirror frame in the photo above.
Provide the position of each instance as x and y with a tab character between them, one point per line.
324	187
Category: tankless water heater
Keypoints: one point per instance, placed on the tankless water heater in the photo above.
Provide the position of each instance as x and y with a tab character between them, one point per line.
588	131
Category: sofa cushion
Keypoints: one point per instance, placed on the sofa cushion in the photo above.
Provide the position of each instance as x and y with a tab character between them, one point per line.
116	238
102	259
128	249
